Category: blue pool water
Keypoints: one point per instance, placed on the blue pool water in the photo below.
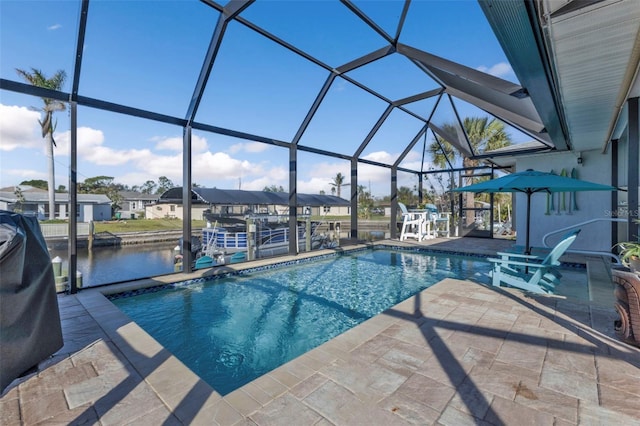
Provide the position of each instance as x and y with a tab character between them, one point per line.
230	331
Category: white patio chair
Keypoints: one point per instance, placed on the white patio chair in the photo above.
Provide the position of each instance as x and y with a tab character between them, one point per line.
414	224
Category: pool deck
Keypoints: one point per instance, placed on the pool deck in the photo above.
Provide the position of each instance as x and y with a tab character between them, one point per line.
457	353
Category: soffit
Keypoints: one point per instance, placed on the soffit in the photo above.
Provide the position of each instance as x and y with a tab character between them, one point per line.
516	28
594	51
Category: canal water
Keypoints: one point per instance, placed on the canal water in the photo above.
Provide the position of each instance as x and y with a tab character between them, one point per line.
107	265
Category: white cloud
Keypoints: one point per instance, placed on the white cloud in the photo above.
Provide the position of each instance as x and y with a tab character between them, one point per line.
27	174
374	174
319	175
132	166
414	155
54	27
148	166
19	128
317	184
326	170
198	143
160	165
145	164
381	157
209	169
92	150
169	144
276	176
251	147
210	166
413	161
500	69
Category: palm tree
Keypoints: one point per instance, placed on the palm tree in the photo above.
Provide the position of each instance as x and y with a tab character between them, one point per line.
365	202
338	182
37	78
406	196
484	135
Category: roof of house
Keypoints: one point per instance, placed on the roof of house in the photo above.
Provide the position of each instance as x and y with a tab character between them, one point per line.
23	189
134	195
35	195
240	197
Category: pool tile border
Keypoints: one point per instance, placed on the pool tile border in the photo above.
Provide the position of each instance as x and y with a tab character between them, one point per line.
291	262
244	271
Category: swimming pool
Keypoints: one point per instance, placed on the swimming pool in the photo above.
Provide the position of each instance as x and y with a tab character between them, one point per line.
232	330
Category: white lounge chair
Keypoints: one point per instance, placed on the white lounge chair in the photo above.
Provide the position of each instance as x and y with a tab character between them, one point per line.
531	273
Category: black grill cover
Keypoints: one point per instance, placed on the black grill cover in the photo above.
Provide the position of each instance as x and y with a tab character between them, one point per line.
30	328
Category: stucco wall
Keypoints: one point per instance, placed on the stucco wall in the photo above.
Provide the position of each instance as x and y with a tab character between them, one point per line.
97	212
595	167
163	211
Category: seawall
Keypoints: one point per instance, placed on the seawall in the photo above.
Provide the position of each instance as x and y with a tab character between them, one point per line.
107	239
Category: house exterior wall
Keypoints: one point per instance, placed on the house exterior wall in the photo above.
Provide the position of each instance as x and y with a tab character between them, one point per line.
172	211
162	211
334	211
100	212
134	209
86	212
26	209
94	212
591	204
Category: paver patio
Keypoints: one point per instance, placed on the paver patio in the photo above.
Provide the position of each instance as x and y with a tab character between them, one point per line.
457	353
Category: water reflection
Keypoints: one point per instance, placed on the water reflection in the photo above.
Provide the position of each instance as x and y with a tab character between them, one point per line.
104	265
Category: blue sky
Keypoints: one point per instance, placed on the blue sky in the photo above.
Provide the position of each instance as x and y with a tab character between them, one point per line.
148	54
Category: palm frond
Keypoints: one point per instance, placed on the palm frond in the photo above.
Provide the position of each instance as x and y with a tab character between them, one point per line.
37	78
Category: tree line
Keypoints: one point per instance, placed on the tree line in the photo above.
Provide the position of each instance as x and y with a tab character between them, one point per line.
108	186
102	184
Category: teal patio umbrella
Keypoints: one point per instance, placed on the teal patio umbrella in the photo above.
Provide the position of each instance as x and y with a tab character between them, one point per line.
530	182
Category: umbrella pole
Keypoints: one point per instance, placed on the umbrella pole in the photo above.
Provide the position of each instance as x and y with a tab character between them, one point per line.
527	249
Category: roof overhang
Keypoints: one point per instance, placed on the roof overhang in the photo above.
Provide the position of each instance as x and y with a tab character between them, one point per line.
515	26
578	59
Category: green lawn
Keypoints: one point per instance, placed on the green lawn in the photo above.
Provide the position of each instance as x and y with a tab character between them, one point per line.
141	225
